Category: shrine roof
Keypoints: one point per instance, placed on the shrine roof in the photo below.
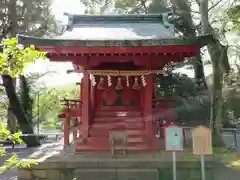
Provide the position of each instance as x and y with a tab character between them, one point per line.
116	30
118	27
200	41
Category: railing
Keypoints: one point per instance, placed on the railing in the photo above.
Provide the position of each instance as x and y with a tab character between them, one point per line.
72	114
73	107
231	136
234	136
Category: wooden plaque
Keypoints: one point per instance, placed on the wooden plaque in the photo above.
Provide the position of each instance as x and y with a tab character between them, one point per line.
202	140
173	138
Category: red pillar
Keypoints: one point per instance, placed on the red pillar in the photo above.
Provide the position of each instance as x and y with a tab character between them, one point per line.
93	89
85	106
66	128
81	89
147	108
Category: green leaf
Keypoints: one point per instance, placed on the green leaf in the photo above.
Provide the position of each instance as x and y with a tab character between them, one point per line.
14	59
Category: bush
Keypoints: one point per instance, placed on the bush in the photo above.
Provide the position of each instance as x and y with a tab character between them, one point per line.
13	161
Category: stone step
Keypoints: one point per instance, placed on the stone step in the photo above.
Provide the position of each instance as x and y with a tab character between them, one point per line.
118	174
103	144
119	125
118	113
117	119
96	132
131	147
106	141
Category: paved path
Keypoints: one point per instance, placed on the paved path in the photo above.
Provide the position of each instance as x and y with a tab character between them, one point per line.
46	149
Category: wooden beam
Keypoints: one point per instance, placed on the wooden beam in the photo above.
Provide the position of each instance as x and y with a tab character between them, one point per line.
120	50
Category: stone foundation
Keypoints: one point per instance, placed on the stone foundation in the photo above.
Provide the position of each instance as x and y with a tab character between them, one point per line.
105	167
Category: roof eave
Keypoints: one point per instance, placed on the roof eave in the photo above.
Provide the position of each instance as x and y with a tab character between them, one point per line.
200	40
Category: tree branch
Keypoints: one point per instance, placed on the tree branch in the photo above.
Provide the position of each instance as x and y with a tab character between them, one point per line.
215	5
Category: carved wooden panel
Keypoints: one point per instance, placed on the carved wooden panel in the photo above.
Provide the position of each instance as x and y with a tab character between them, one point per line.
125	97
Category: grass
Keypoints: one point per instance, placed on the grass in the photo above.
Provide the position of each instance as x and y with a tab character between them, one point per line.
229	158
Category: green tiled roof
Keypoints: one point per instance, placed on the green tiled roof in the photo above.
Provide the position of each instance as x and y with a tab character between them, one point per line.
200	40
118	27
117	30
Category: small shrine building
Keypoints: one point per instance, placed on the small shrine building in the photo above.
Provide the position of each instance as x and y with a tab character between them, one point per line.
119	56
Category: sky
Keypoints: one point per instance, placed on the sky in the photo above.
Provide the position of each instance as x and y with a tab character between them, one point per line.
60	78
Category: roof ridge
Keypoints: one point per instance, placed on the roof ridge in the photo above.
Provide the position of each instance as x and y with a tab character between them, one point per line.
75	19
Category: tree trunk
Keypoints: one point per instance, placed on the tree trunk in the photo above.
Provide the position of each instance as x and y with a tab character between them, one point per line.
25	98
9	84
25	126
220	63
185	25
199	71
11	120
12	8
216	104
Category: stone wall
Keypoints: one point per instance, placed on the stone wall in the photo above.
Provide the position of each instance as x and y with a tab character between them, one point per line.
113	170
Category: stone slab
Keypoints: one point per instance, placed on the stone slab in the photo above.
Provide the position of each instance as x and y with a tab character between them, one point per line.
98	174
116	174
137	174
24	174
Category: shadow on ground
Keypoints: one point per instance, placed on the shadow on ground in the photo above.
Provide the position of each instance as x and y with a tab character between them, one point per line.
48	149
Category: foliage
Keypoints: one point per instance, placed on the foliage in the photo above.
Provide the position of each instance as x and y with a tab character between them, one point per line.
22	17
14	58
3	104
125	6
50	105
234	16
232	96
192	103
13	161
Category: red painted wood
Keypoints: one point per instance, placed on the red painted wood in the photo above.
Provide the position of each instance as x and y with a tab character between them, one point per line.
96	132
135	147
155	90
139	60
148	104
81	89
85	107
66	130
119	125
109	95
135	95
92	62
118	108
123	50
118	119
118	113
138	140
62	116
75	112
92	101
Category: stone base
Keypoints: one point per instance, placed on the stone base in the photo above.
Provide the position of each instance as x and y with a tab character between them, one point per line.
117	174
130	167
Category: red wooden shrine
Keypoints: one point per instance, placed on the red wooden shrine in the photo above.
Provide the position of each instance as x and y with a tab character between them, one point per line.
119	57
